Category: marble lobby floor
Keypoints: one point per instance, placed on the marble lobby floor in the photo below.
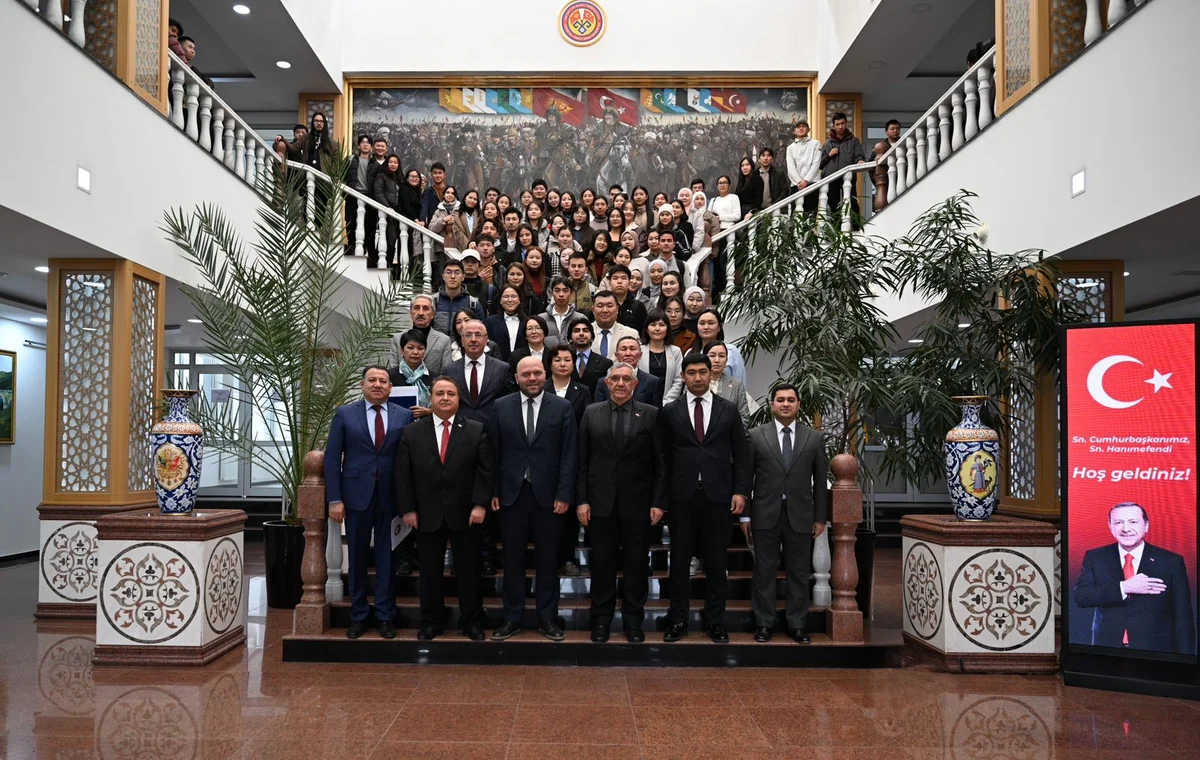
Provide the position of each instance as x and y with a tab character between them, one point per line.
249	704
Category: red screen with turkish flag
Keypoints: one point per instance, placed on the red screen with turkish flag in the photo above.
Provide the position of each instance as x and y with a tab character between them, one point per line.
1131	441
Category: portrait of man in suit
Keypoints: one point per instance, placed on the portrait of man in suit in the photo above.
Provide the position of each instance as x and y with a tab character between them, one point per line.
649	388
443	485
590	366
1138	592
788	509
360	460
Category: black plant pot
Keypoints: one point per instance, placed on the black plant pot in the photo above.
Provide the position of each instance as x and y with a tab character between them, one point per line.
285	552
864	555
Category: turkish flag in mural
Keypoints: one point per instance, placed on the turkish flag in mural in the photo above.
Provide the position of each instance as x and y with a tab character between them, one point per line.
729	101
600	99
1130	437
571	110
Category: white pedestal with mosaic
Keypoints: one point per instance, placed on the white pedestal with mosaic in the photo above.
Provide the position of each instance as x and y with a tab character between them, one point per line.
171	587
978	597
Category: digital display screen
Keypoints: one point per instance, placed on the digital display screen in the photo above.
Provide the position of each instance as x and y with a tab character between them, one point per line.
1129	470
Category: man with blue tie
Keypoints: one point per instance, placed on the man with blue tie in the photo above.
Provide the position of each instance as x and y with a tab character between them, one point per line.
360	459
590	366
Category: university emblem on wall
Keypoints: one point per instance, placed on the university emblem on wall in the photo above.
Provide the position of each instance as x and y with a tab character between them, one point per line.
582	22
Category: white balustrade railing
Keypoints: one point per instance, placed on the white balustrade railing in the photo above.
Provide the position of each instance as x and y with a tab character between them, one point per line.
53	14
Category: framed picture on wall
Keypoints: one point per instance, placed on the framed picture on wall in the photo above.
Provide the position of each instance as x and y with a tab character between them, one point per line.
8	395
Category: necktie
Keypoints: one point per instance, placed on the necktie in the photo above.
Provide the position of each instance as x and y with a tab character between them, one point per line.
379	431
1127	568
580	364
787	445
474	382
618	427
529	424
698	420
604	343
445	439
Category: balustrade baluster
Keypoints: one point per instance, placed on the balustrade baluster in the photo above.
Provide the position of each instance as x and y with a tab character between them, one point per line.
312	613
910	162
847	209
822	561
77	33
893	190
334	590
984	74
971	106
191	99
310	199
205	127
944	132
921	152
53	13
931	136
427	277
957	109
380	233
822	204
1093	26
1117	10
360	223
230	156
260	157
218	135
239	151
402	256
901	168
32	4
176	102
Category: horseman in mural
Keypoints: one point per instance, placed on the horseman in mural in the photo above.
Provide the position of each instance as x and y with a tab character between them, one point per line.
556	158
610	154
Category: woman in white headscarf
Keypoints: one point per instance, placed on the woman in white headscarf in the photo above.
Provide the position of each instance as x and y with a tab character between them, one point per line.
705	224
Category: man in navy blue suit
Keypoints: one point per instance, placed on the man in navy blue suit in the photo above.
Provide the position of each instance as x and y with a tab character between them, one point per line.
649	387
360	459
532	434
1139	592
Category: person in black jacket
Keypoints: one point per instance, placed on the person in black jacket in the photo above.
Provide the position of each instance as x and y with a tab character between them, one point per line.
410	195
590	366
842	149
776	185
386	192
708	457
749	188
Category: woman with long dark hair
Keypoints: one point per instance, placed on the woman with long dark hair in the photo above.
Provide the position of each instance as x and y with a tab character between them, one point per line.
681	337
535	272
616	225
600	256
660	356
567	204
410	195
581	226
517	276
386	192
749	188
641	208
710	327
553	201
469	214
506	328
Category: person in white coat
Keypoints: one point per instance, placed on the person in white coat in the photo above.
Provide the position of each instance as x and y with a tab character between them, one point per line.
804	163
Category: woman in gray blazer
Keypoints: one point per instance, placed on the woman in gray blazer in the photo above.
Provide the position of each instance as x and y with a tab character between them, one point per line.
659	355
723	384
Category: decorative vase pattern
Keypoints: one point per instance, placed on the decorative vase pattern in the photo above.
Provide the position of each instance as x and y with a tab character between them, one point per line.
972	463
178	448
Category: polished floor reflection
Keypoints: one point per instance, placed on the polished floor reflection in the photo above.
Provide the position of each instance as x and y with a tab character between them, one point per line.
54	704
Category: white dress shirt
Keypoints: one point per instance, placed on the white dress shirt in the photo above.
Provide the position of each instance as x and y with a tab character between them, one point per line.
437	429
706	402
482	362
537	408
383	412
1137	560
513	323
779	427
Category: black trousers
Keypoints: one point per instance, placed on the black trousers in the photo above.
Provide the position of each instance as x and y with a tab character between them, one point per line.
431	549
391	256
711	520
360	526
570	537
797	560
523	519
611	535
370	222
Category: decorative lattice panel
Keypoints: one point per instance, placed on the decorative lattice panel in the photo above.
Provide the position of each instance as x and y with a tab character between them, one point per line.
1021	444
142	375
1017	48
100	32
321	106
1067	18
85	381
1089	292
148	47
846	107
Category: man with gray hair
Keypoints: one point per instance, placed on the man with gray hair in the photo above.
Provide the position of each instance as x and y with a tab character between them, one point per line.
437	343
621	490
649	387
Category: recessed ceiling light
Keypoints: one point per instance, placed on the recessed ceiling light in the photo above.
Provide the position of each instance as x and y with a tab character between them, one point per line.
241	10
1127	274
1086	284
39	320
915	340
921	7
196	321
83	179
43	270
876	65
963	325
283	64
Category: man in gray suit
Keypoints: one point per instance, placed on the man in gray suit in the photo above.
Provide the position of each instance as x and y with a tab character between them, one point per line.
789	507
437	344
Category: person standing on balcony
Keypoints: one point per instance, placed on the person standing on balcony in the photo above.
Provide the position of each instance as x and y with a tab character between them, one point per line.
842	149
775	182
433	192
174	32
319	144
880	175
386	191
377	164
804	163
360	177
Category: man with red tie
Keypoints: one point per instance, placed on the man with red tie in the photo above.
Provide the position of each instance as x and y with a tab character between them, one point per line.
443	482
360	456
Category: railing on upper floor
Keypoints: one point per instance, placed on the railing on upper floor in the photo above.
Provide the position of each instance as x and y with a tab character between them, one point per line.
209	121
75	29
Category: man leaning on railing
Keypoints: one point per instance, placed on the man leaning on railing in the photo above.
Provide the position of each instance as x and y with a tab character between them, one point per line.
842	149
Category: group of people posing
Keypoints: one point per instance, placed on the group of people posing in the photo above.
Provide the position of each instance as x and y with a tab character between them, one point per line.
527	427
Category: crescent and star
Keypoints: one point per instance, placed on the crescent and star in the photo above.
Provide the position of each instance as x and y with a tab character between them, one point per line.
1095	381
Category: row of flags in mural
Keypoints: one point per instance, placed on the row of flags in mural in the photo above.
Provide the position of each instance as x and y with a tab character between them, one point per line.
574	109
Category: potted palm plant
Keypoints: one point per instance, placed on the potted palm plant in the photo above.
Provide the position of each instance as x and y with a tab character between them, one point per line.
296	336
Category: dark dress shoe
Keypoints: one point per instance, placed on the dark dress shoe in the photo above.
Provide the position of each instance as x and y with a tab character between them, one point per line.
600	633
799	636
675	632
387	629
635	635
550	630
488	567
404	567
717	634
571	569
762	634
506	631
472	632
427	633
355	630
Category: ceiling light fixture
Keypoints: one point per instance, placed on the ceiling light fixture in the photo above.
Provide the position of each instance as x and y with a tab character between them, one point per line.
241	10
196	321
915	340
1127	274
43	269
38	320
283	64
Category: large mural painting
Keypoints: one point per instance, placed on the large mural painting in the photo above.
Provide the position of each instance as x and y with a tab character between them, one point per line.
578	137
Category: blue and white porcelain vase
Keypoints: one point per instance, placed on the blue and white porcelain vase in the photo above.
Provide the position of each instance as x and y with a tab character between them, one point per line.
972	462
178	448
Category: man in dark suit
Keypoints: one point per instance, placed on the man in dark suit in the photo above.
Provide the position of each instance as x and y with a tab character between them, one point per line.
481	381
649	388
621	492
532	434
360	458
708	457
590	366
789	507
1140	592
443	481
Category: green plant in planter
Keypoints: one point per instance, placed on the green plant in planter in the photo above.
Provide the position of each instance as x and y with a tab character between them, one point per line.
808	297
283	318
